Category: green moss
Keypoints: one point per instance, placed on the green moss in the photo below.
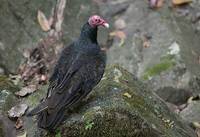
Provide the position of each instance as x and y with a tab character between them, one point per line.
108	112
166	63
58	134
34	99
6	84
89	125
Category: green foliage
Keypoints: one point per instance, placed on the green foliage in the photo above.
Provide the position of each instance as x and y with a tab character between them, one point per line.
89	125
58	134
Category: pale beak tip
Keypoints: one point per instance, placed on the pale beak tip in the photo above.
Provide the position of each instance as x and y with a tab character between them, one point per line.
106	25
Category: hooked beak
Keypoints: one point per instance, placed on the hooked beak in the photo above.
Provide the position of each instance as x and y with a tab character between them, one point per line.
105	24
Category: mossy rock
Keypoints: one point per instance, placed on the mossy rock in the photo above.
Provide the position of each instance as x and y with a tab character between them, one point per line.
165	64
122	106
7	98
6	83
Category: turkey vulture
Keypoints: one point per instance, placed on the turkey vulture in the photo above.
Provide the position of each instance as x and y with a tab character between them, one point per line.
79	68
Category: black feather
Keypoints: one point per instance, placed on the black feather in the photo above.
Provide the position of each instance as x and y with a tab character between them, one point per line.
79	68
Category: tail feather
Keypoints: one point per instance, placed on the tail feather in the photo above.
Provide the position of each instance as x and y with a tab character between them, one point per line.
41	107
50	121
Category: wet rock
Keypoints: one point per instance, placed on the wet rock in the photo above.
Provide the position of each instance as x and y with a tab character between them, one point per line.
119	106
170	58
17	111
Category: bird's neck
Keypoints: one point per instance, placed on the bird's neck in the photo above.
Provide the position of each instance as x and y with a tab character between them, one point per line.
88	34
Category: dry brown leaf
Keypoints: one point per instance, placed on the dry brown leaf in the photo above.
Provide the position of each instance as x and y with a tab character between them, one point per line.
19	123
156	3
26	90
198	132
17	111
119	34
146	44
180	2
44	23
160	3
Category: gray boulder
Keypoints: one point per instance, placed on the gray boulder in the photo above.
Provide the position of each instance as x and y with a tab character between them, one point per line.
169	60
119	106
20	29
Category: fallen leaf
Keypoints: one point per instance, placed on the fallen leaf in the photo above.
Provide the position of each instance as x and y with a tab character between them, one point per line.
19	123
180	2
146	44
17	111
156	3
160	3
198	132
127	95
44	23
26	90
120	34
196	124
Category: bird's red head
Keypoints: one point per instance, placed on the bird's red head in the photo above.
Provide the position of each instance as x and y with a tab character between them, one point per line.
96	21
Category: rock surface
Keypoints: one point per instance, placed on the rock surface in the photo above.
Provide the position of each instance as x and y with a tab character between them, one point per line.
20	29
7	100
119	106
161	48
192	112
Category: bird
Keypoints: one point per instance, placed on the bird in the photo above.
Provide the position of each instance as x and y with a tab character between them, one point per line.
79	69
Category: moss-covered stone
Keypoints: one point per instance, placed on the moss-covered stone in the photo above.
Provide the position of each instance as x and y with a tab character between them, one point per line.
122	106
6	84
7	98
165	64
